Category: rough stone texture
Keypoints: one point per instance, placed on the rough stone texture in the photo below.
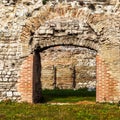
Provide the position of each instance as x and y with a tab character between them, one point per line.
27	26
65	59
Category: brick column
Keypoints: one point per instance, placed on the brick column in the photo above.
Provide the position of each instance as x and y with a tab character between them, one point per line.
29	84
25	84
106	85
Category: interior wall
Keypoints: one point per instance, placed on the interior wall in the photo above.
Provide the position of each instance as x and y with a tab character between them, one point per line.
75	67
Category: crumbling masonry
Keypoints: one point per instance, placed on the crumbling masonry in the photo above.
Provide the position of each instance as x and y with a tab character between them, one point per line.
28	28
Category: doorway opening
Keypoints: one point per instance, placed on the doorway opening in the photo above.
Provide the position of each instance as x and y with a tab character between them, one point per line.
68	72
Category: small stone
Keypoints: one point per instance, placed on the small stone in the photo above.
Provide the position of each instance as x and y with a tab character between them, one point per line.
9	94
42	32
9	73
16	93
5	79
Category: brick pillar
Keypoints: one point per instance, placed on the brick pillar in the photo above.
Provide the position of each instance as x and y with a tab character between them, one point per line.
106	85
29	85
25	84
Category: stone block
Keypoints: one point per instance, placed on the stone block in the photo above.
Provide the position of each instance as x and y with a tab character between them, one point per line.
42	31
16	94
49	31
60	34
9	94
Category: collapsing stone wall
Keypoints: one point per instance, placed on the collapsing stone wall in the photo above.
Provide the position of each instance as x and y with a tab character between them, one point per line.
75	68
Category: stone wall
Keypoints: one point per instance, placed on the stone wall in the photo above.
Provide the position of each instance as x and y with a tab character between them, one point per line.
23	32
9	67
65	59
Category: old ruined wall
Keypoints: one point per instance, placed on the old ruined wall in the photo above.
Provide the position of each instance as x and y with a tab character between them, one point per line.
9	63
9	55
20	21
12	19
65	59
72	32
108	68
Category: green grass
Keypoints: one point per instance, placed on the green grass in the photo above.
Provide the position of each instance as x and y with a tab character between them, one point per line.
68	95
70	99
85	111
24	111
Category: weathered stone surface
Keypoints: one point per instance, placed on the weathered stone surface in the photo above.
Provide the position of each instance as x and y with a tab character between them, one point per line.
27	26
65	59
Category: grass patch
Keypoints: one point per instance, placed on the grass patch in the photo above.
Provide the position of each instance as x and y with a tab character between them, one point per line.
68	95
25	111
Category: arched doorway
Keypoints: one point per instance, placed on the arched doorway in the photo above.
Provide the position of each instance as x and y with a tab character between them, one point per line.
68	69
51	27
70	74
51	34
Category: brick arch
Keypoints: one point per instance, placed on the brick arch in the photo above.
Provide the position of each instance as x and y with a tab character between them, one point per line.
37	41
48	13
64	31
86	44
107	84
27	81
